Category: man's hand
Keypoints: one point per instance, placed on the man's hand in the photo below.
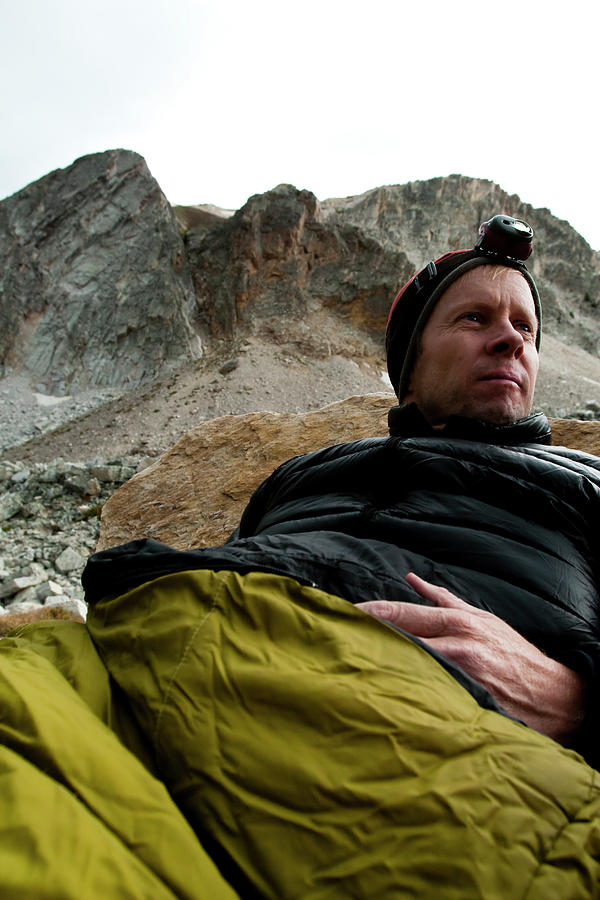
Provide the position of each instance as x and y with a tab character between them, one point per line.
529	685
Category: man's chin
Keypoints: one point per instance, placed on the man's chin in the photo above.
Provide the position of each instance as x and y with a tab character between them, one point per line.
496	413
498	409
497	403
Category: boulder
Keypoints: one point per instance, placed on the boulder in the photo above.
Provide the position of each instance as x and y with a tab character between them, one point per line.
95	289
194	495
69	560
579	435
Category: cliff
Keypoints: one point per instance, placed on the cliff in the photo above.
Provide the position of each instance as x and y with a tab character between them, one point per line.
94	285
102	285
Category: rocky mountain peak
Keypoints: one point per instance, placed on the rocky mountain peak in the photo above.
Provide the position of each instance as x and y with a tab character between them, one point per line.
279	259
428	218
103	286
95	287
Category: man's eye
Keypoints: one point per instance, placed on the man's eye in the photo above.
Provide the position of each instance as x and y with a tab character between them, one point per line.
472	317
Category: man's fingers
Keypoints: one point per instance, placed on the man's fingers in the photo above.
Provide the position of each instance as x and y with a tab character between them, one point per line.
432	592
449	616
422	621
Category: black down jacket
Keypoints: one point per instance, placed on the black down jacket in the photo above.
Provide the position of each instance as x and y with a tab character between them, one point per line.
494	514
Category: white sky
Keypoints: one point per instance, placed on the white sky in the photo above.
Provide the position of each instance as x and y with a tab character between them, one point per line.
228	98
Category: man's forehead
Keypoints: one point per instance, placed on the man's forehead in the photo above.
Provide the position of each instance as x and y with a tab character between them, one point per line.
490	284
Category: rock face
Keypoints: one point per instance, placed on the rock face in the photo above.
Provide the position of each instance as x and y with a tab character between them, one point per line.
284	256
94	285
279	260
102	287
194	495
428	218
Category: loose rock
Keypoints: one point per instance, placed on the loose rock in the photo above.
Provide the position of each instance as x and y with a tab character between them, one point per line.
10	505
69	560
50	525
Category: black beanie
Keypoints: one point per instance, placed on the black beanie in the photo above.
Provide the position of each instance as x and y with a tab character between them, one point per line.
415	301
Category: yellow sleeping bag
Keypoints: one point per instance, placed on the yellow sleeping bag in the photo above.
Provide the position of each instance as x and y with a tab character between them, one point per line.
329	756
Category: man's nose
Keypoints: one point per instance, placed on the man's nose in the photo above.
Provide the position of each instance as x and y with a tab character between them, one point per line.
506	340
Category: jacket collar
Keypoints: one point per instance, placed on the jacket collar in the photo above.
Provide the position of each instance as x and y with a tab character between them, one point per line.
408	421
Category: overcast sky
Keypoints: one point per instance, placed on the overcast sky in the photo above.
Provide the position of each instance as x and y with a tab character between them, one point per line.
228	99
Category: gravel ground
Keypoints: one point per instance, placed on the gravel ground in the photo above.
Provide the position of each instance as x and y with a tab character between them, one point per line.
250	376
256	376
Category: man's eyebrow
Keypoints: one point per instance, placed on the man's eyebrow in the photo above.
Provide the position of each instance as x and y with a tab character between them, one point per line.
464	303
527	314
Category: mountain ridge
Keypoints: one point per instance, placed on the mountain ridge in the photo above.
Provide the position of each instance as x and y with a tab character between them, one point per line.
110	295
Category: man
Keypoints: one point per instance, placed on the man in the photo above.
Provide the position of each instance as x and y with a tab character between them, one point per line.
478	357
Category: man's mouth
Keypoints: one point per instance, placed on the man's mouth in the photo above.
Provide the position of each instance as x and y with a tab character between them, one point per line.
501	375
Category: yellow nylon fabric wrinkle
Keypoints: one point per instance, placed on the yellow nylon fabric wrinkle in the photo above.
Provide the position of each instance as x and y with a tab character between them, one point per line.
85	804
69	648
51	846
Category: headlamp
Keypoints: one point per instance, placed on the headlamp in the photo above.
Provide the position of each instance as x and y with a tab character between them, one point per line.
505	236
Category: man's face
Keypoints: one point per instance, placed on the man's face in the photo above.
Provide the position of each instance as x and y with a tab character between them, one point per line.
478	356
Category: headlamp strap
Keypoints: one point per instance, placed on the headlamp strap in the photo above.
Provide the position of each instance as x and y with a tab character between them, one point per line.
425	275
